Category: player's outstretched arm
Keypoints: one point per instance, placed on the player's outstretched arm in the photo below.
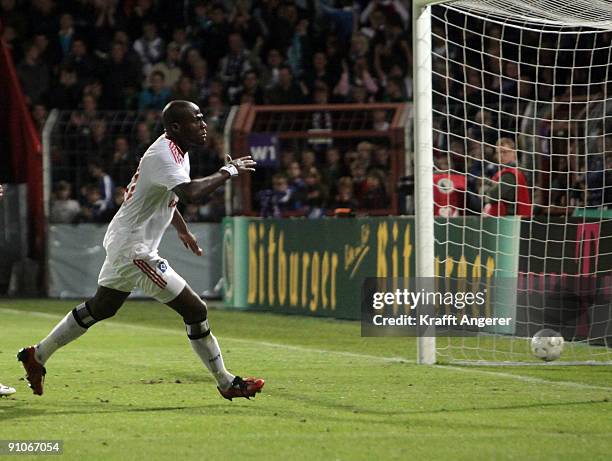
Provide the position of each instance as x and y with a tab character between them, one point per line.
197	189
184	234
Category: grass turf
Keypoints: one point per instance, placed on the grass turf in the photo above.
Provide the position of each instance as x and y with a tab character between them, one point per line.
131	388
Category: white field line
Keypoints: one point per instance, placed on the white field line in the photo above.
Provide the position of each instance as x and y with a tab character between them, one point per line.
463	369
527	379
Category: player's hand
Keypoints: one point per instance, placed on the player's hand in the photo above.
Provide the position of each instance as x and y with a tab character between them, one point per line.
1	191
242	164
190	242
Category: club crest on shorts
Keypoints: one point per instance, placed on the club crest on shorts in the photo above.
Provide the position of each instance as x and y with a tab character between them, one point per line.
162	267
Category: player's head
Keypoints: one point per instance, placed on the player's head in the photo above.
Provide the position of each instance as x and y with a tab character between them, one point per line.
184	123
505	151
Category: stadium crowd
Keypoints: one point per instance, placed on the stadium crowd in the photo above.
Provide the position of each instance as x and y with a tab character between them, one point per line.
89	57
93	56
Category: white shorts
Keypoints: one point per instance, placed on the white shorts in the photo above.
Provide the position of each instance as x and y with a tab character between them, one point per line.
152	274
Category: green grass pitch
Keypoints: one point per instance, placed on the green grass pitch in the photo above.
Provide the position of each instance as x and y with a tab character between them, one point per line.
131	388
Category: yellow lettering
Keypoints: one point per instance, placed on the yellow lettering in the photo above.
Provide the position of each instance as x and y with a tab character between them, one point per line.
314	282
324	279
271	253
294	277
381	257
282	269
476	274
305	265
334	271
490	271
407	252
262	265
448	271
252	293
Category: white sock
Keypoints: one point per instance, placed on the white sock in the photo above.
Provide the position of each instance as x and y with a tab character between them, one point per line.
207	348
67	330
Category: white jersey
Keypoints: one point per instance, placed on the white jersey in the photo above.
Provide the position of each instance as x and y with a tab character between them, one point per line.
149	202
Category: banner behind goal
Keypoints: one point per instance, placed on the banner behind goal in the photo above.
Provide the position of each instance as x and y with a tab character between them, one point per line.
514	99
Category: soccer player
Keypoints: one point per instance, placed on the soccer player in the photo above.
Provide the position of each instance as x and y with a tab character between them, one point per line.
131	241
6	390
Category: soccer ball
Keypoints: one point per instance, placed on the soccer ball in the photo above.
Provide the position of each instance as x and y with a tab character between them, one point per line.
547	345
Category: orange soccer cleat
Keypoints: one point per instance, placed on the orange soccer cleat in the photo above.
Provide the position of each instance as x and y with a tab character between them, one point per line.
35	372
246	388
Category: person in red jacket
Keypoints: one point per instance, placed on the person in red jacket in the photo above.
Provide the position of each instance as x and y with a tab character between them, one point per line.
508	193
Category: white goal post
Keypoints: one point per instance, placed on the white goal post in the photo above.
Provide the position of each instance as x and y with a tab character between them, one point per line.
533	77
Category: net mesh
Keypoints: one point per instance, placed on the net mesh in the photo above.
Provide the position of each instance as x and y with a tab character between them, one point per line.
522	106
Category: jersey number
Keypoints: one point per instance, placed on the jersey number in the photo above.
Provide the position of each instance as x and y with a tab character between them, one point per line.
131	188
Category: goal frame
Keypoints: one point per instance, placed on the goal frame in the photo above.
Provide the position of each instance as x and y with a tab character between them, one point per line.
424	166
423	159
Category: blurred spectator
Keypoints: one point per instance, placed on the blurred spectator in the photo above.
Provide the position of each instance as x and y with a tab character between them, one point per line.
39	114
309	160
99	143
375	195
250	88
80	60
121	79
449	189
65	36
394	92
142	138
597	178
64	210
294	175
345	197
233	65
381	159
94	207
359	77
33	74
13	17
185	90
157	95
65	95
379	120
315	193
169	67
507	194
287	157
212	32
299	49
121	163
280	199
286	91
332	170
364	153
179	39
105	12
358	174
200	79
150	47
271	71
43	18
319	72
215	113
105	185
10	42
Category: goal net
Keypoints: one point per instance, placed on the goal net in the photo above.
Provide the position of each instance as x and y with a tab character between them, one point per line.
520	111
